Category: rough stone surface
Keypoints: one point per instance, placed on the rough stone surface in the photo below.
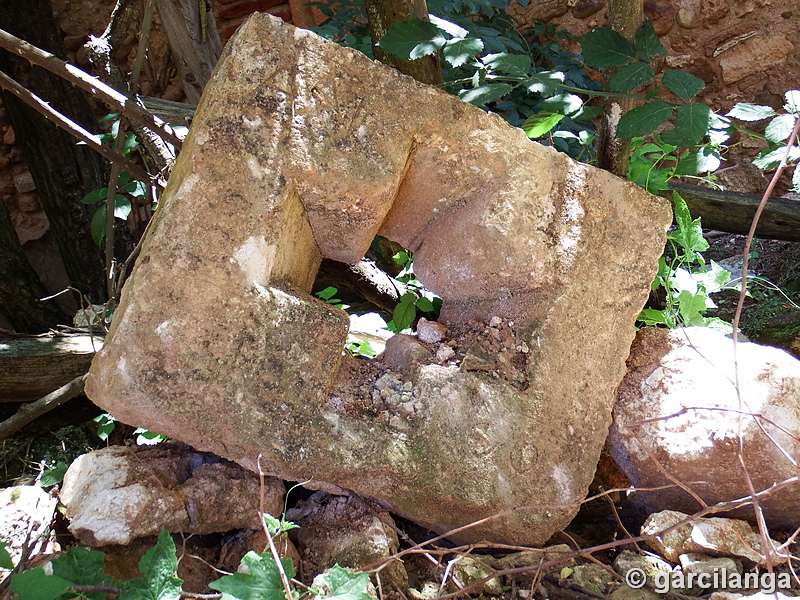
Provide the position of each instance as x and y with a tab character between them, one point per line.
345	531
301	149
119	494
26	512
681	383
717	536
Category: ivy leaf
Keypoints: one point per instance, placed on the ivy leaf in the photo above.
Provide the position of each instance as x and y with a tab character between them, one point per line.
458	51
412	39
95	196
689	234
123	178
541	123
484	94
33	584
159	565
691	125
544	82
261	582
136	188
647	43
702	160
684	85
779	128
449	27
691	307
345	585
744	111
511	64
631	76
53	475
651	316
405	311
645	119
122	207
604	47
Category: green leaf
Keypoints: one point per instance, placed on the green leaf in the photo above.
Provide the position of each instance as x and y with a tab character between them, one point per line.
425	305
106	423
702	160
689	234
137	189
98	226
779	128
604	47
82	566
544	82
158	565
130	143
122	207
691	125
95	196
644	119
651	316
449	27
262	582
566	104
123	178
343	584
328	293
684	85
459	51
33	584
792	102
412	39
691	308
631	76
484	94
405	311
5	558
108	117
744	111
53	475
541	123
647	42
510	64
278	526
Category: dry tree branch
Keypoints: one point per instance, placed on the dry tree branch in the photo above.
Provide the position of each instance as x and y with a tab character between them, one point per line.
70	126
93	85
36	409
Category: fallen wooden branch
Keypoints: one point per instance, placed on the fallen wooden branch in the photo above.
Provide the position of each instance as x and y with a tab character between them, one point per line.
733	213
34	410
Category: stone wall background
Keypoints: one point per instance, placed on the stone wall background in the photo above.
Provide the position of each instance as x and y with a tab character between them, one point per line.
745	51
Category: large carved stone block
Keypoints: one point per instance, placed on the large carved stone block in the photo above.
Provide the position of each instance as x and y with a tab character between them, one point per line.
301	149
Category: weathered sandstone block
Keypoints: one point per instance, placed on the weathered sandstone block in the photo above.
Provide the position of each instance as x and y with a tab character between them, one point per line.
301	149
678	419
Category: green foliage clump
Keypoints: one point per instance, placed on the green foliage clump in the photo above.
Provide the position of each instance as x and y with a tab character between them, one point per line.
79	574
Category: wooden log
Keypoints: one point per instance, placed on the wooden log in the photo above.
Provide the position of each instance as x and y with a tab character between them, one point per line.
34	366
733	212
34	410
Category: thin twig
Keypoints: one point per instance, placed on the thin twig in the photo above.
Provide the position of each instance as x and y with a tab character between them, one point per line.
767	547
36	409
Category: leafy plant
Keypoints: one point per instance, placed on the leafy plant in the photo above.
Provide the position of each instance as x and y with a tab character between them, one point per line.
416	298
79	573
686	280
